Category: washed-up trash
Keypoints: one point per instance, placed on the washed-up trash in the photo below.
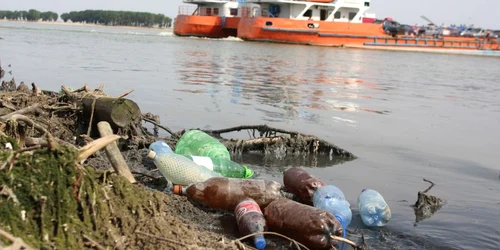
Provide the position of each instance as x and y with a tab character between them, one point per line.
300	183
308	225
160	147
331	199
223	166
373	209
226	193
250	220
197	142
179	169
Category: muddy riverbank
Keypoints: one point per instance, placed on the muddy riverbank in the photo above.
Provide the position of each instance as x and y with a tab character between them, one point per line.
60	190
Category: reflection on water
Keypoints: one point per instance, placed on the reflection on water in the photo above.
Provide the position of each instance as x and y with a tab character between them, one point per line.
269	81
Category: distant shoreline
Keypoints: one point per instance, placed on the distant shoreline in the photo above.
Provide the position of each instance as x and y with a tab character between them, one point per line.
84	24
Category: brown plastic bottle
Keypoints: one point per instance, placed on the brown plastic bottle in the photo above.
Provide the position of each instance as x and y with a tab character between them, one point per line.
308	225
300	183
225	193
250	220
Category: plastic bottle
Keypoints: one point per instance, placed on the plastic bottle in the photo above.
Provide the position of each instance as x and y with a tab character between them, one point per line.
160	147
373	209
250	220
300	183
331	199
308	225
225	193
196	142
179	169
222	166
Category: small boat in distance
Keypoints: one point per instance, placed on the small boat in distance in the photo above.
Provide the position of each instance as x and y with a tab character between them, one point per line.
344	23
209	18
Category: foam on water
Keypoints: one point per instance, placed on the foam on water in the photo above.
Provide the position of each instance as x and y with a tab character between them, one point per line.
166	33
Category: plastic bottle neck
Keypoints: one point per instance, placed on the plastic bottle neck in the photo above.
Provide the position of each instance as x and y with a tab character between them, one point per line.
344	228
343	223
179	190
151	154
260	242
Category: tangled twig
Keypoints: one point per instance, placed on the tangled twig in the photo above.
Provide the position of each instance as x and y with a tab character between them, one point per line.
429	188
337	238
17	243
296	243
159	125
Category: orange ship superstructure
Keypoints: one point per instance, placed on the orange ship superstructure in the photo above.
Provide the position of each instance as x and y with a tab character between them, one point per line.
209	18
344	23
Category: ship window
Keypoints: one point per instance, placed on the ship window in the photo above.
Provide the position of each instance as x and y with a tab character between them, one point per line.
337	15
308	13
269	23
233	12
352	15
209	11
216	11
367	4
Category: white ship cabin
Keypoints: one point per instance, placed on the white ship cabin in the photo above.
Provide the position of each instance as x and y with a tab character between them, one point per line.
318	10
225	8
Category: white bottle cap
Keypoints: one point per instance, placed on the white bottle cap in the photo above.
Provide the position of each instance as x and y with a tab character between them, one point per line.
151	154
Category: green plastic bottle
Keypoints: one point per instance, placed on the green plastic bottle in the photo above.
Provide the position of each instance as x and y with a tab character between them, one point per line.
224	167
196	142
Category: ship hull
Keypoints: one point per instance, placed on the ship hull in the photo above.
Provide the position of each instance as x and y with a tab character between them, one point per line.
206	26
356	35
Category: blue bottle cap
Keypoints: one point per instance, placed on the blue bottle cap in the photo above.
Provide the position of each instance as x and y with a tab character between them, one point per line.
260	242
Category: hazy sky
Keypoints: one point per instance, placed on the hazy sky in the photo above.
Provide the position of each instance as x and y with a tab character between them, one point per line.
479	12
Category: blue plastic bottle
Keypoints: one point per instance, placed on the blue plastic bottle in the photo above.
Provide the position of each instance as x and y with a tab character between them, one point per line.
331	199
160	147
373	209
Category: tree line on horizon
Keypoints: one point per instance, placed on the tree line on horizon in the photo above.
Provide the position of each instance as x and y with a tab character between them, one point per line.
30	15
106	17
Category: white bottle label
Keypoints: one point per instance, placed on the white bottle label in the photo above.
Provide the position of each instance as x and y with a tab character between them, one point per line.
203	161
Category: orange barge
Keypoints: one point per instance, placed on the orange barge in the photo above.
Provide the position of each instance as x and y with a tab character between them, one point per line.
209	18
341	23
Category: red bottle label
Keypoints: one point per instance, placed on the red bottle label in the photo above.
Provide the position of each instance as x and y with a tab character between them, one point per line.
244	208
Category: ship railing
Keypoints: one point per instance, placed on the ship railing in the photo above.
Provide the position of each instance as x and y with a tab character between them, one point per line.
189	10
479	44
255	12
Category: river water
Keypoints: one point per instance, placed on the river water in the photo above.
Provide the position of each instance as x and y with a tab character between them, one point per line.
407	116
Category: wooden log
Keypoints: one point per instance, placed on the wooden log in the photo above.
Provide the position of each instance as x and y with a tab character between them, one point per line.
113	153
119	113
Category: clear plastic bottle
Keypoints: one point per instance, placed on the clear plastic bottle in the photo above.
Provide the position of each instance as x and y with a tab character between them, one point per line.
222	166
373	209
197	142
160	147
331	199
250	220
226	193
179	169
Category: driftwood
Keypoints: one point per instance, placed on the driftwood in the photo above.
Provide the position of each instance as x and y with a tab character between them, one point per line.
279	142
113	153
119	113
426	204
